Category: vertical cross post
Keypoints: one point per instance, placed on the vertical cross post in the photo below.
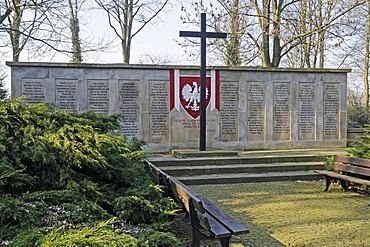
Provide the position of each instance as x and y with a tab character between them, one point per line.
203	35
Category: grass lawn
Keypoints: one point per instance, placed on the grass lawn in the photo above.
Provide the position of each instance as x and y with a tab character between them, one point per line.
293	213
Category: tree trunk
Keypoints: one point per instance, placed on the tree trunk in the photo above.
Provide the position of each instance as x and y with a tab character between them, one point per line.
265	48
233	49
276	55
75	32
14	33
366	65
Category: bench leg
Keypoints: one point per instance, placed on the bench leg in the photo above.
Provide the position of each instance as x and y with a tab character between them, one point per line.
327	183
195	242
344	185
225	242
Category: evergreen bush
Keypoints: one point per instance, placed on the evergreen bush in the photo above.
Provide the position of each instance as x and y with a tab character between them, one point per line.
65	174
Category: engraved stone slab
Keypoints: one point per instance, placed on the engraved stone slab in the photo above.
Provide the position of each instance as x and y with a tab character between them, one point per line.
98	96
34	90
281	111
331	111
66	94
229	111
256	111
159	111
129	105
307	111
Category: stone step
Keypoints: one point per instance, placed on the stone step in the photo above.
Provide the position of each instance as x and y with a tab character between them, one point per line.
164	161
240	168
250	177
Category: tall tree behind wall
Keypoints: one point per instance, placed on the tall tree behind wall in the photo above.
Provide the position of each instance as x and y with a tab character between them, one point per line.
128	17
288	32
74	7
367	58
230	16
288	26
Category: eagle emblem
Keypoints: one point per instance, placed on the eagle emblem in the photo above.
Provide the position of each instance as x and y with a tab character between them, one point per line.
191	95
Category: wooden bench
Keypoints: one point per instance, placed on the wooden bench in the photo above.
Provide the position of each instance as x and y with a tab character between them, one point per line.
351	169
207	220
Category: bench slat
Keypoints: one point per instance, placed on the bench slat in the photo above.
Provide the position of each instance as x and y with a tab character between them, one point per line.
206	220
216	228
343	177
352	160
351	169
234	226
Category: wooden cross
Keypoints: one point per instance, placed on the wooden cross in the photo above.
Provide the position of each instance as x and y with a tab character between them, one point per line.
203	35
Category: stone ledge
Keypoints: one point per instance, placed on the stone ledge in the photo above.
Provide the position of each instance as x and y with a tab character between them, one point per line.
189	153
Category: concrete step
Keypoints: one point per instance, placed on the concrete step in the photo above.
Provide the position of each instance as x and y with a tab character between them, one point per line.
241	168
164	161
249	177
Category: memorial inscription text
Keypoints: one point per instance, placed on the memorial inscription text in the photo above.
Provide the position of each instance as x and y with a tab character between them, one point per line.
229	111
256	111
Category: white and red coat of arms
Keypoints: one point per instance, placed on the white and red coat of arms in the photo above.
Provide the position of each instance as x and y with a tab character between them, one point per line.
185	92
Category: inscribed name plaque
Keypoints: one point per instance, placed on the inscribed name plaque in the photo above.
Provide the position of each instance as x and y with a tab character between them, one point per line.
98	96
255	111
66	94
159	111
33	89
281	111
331	111
229	111
307	112
128	93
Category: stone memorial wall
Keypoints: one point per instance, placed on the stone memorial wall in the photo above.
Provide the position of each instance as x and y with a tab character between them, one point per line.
247	108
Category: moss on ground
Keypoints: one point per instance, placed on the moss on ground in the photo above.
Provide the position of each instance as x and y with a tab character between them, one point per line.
293	213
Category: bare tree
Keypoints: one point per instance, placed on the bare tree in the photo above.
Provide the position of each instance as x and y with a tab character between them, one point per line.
294	32
123	14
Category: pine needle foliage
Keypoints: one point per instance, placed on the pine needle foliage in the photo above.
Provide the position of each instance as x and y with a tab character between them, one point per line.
44	148
64	171
361	148
99	235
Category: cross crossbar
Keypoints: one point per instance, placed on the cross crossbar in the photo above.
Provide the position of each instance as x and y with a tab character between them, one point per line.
192	34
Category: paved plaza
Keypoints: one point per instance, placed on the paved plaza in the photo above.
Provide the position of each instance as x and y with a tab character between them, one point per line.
291	214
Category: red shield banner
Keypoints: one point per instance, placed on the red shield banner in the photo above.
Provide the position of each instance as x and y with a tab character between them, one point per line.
190	94
185	91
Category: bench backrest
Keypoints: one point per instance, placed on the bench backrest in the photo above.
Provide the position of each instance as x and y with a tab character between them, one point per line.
352	165
190	202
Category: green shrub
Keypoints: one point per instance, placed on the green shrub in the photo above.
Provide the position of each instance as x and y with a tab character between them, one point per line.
41	148
59	170
357	117
154	238
151	204
361	148
329	161
99	235
17	215
27	238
